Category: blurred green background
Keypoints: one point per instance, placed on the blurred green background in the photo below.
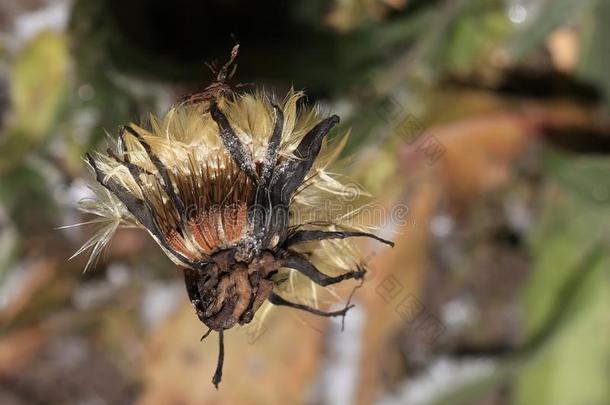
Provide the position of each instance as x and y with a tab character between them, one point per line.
486	120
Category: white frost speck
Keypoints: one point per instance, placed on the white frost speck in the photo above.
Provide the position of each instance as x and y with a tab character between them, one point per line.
159	301
54	17
439	379
339	380
441	226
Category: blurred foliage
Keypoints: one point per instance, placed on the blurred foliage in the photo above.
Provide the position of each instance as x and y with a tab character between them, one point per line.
568	296
37	94
595	59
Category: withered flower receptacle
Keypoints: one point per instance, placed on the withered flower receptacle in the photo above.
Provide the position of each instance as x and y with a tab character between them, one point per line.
219	184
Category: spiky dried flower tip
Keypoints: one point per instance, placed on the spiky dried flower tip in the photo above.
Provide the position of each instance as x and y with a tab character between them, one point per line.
226	184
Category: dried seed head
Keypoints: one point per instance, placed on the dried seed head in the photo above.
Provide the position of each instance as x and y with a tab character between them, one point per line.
216	194
231	186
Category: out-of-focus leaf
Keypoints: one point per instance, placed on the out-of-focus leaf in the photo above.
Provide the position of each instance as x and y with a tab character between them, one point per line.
467	46
567	297
594	61
8	243
38	81
585	177
573	368
24	193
